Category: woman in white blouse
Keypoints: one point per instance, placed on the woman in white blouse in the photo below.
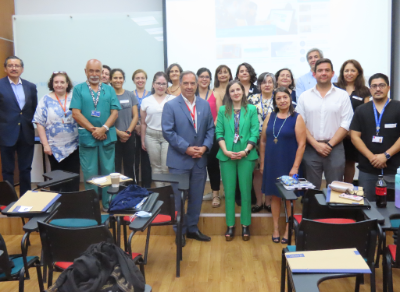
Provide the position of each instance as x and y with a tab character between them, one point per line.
150	114
58	131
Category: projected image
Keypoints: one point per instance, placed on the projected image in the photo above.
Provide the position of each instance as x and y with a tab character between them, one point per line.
247	18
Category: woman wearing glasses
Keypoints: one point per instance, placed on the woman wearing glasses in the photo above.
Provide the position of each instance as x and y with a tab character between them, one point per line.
150	114
352	80
139	78
173	73
58	131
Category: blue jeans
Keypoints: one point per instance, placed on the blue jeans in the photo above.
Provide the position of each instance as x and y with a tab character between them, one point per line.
368	181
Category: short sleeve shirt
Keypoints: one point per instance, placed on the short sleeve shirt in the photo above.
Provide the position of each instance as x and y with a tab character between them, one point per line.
82	100
364	122
127	100
154	111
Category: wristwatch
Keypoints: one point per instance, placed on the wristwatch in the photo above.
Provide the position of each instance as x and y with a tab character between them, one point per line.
387	155
246	151
329	144
128	132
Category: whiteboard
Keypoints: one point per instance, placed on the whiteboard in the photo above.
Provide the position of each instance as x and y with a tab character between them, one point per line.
48	43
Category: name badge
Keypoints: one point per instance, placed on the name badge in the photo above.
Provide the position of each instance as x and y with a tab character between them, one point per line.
389	126
67	120
377	139
357	97
124	101
236	138
96	114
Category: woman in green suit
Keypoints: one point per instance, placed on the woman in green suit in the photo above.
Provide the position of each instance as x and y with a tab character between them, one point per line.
237	133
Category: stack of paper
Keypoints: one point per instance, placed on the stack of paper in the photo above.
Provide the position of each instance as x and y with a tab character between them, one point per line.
34	201
346	260
105	181
300	186
332	197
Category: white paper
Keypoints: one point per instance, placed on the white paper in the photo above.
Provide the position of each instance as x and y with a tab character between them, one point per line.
25	208
100	180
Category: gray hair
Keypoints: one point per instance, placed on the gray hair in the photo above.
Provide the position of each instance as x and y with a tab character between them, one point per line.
187	73
263	77
321	54
13	58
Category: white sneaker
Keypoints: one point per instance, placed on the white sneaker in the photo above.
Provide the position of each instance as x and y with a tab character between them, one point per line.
208	197
105	210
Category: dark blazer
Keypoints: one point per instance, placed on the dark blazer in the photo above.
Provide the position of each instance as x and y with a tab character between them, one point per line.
178	130
11	116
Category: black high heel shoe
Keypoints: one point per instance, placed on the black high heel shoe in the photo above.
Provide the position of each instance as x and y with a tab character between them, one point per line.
230	233
256	208
245	233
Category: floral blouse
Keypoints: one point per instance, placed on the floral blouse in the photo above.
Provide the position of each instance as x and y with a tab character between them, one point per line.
61	130
262	110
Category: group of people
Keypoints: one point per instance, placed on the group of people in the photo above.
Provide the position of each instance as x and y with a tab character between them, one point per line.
247	130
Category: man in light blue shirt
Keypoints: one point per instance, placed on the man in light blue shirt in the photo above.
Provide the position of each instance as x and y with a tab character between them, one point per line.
308	81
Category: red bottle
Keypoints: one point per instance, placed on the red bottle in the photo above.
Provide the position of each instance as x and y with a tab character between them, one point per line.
381	192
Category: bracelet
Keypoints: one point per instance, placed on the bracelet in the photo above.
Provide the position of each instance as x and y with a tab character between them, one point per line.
329	144
105	126
246	151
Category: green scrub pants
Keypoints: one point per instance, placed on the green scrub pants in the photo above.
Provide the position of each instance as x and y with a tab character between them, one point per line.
91	158
230	170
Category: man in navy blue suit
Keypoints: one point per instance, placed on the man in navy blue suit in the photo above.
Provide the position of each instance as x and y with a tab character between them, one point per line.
188	126
18	101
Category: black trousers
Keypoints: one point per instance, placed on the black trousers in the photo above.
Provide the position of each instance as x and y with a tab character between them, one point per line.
213	166
125	154
142	162
71	164
25	157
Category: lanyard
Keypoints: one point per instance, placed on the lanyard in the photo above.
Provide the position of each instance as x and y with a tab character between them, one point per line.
207	94
237	123
65	103
192	114
378	121
262	106
137	94
95	101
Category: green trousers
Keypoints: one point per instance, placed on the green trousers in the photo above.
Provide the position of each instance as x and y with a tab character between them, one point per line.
93	157
230	170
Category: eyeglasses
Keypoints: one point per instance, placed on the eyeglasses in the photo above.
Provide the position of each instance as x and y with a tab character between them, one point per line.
376	86
160	84
13	66
204	77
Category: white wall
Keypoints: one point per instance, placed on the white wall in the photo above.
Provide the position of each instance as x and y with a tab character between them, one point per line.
40	7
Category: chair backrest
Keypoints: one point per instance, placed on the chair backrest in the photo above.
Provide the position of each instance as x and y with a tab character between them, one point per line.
4	259
82	205
313	210
363	235
7	193
166	194
62	244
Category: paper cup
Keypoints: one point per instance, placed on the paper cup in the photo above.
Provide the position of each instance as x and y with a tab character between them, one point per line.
114	180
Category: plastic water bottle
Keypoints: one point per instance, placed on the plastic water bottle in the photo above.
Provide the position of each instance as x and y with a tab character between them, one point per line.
397	189
381	192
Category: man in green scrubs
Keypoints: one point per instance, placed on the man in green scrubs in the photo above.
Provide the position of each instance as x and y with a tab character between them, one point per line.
95	107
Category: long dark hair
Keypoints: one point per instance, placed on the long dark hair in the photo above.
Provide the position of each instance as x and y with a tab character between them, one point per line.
252	73
228	101
284	90
219	68
359	84
157	75
199	72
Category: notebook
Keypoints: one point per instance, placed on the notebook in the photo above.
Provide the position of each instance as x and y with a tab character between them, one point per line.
35	201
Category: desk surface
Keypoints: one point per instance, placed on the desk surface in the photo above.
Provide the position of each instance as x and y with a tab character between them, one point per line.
49	211
56	177
309	282
140	224
286	194
181	179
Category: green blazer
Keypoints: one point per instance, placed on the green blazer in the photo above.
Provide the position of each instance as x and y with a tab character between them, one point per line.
248	131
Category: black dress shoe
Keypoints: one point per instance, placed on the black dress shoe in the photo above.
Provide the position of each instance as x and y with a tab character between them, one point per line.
198	236
245	233
230	233
256	208
183	241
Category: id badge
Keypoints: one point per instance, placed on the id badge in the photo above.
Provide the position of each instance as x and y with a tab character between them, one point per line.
236	138
66	120
377	139
96	114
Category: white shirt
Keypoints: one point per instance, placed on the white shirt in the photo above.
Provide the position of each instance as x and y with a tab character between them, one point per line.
192	107
325	115
154	111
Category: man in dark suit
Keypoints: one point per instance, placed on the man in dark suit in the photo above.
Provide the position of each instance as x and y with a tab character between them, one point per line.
188	126
18	101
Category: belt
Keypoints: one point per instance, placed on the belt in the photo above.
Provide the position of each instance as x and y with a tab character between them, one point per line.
323	141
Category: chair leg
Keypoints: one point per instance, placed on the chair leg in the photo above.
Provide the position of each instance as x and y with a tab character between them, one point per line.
50	280
125	236
389	275
21	278
112	222
283	271
372	279
141	266
39	277
24	250
358	281
147	244
119	231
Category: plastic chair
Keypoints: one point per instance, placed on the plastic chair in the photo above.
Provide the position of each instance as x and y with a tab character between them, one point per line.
391	259
7	196
62	245
313	235
20	265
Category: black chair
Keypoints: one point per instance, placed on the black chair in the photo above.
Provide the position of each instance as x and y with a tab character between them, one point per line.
7	196
62	245
313	235
391	259
14	267
166	217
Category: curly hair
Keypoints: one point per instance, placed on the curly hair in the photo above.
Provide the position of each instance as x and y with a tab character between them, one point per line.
252	73
69	82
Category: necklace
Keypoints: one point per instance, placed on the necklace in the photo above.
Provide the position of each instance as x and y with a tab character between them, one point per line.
273	129
172	91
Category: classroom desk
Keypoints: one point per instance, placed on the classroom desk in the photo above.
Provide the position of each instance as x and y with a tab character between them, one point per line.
290	196
56	177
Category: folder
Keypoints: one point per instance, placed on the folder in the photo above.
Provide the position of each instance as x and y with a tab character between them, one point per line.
35	201
347	260
332	197
105	181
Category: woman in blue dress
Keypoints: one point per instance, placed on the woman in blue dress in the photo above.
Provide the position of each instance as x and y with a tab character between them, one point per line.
282	145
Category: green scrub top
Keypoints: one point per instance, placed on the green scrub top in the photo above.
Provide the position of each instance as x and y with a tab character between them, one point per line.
82	100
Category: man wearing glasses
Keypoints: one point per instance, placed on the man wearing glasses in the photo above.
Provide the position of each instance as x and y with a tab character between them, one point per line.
375	132
18	101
